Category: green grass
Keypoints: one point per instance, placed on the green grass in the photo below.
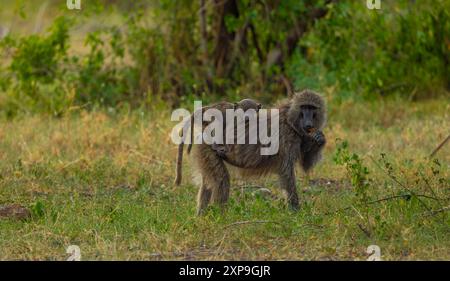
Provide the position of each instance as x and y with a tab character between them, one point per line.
104	182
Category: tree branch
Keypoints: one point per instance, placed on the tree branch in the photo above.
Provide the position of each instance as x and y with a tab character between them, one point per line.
439	147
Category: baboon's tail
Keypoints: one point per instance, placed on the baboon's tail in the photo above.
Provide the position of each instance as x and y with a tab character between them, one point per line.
191	134
180	151
192	141
179	163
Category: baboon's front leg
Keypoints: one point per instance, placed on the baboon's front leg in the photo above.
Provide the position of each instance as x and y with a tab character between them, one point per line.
287	184
203	198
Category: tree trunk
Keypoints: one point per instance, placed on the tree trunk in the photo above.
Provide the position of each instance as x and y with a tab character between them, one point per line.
224	38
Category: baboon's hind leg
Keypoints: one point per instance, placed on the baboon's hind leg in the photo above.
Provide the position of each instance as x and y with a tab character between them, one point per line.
215	186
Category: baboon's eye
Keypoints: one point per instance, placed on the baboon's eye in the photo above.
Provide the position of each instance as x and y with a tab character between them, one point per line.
314	115
301	115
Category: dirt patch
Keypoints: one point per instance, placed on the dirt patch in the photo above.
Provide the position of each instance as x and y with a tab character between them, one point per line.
14	211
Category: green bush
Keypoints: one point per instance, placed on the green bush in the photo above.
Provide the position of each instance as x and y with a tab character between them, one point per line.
33	77
247	49
43	77
100	79
402	48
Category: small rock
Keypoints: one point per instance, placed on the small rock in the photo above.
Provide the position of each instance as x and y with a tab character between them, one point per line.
14	211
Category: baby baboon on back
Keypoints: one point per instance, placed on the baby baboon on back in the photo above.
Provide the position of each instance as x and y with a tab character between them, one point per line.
245	104
303	113
220	149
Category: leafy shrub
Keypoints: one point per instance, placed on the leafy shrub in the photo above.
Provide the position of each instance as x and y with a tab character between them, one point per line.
35	74
244	48
402	48
99	79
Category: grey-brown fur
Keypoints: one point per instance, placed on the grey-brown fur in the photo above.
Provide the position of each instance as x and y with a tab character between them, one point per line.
295	146
247	104
222	106
244	104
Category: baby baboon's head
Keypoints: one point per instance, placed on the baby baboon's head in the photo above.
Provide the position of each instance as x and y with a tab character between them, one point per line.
246	104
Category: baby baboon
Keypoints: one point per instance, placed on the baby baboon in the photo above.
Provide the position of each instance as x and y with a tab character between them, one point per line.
304	113
245	104
220	149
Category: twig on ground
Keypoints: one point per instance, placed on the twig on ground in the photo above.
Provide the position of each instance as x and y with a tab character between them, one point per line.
404	196
251	222
248	186
267	221
365	231
439	147
71	163
434	212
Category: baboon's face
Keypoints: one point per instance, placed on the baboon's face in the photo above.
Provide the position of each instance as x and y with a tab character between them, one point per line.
308	118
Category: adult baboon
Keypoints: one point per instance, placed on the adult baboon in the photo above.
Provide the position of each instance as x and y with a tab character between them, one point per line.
301	120
220	149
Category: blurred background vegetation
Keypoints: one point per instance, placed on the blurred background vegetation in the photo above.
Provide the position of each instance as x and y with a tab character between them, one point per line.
132	54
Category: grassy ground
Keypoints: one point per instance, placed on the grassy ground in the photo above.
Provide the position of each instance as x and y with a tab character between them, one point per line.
104	182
